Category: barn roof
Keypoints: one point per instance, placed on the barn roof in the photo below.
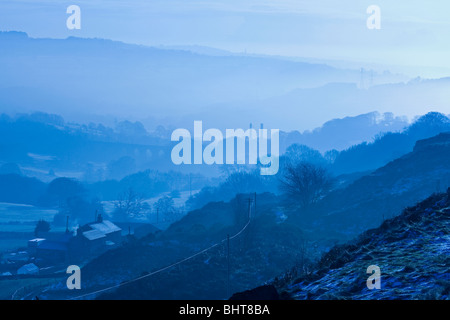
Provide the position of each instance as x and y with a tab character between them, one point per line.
105	227
93	235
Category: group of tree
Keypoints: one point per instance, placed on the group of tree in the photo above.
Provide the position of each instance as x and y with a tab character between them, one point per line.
165	209
129	205
42	226
304	177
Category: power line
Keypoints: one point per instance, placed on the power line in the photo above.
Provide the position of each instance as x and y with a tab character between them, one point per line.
165	268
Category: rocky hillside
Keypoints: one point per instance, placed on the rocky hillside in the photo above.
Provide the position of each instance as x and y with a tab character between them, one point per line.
412	251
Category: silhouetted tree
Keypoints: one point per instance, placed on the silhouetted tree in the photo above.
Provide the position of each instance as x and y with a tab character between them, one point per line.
41	226
129	205
165	207
305	183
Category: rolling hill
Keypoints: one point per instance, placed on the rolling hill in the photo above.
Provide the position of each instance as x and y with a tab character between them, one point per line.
385	192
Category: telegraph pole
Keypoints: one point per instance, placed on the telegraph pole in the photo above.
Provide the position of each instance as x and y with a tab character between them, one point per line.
254	208
249	208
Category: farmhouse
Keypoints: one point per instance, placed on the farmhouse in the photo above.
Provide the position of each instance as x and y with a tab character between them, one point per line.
94	238
90	240
112	232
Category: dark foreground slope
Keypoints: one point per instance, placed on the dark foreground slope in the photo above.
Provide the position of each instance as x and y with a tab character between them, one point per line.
412	251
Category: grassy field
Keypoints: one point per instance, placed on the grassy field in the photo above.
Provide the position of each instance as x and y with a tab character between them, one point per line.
22	218
13	242
24	213
17	223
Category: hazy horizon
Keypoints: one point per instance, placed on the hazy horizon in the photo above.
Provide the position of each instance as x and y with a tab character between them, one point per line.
261	81
412	38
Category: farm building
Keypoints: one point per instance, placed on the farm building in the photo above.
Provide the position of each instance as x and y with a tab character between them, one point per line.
90	240
112	232
53	249
30	268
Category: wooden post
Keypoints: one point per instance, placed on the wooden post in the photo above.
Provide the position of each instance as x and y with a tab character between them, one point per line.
254	208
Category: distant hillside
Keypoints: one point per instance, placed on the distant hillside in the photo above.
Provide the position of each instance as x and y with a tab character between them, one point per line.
340	134
338	100
412	251
347	165
390	145
23	190
119	79
386	192
45	146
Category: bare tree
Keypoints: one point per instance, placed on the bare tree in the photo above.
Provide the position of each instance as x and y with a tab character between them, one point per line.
305	183
165	208
128	205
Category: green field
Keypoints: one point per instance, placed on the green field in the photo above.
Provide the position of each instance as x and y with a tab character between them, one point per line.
24	213
22	218
13	243
17	223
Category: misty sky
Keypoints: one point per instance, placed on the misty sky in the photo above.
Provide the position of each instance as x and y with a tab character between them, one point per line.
414	33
